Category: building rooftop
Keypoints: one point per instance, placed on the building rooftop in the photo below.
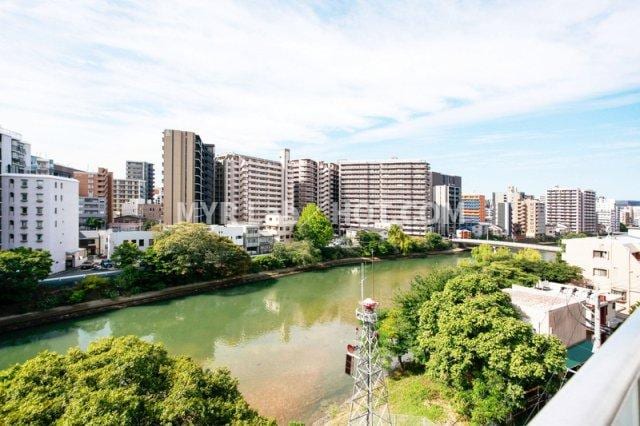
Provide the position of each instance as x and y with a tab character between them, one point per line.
547	298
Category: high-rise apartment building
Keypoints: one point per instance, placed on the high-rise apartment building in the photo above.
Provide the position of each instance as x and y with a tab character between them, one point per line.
608	215
381	193
188	172
527	218
473	208
302	185
141	170
97	184
447	191
571	209
125	190
329	190
249	188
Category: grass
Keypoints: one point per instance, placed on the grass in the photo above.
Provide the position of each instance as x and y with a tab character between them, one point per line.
414	394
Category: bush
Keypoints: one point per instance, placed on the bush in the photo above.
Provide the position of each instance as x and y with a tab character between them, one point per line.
299	253
266	262
335	253
126	254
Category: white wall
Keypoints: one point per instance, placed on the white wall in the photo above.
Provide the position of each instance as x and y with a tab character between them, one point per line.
51	219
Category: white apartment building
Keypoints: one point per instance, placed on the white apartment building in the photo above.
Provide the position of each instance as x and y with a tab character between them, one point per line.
572	209
528	218
390	191
125	190
41	212
608	215
247	236
250	188
279	227
610	263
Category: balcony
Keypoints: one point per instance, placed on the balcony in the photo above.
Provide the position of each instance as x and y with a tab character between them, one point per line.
605	391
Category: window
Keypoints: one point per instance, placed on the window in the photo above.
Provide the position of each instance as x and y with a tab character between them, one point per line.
38	224
23	238
38	238
621	293
24	183
39	198
23	224
600	254
141	243
23	197
24	211
55	198
39	183
39	211
597	272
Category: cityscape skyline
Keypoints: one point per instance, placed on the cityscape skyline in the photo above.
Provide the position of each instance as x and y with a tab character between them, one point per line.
359	82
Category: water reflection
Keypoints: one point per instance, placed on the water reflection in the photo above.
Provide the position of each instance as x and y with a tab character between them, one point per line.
284	339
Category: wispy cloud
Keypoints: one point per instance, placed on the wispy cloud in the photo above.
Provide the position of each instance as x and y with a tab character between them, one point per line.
76	77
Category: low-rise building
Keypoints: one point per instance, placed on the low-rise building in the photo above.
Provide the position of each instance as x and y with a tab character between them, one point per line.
279	227
610	263
92	208
247	236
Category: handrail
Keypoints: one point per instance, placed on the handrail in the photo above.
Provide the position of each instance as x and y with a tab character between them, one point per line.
605	390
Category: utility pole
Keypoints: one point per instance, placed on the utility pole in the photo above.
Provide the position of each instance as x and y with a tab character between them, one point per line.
597	340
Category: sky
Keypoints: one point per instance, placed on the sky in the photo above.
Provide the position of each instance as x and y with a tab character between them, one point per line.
525	93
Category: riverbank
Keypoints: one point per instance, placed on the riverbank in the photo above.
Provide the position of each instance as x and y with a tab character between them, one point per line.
61	313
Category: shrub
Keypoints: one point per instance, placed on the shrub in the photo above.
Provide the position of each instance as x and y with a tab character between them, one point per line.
299	253
266	262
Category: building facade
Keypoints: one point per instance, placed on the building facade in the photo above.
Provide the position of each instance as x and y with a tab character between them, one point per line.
125	190
473	208
188	175
302	185
141	170
447	192
92	208
527	218
97	184
610	263
249	188
380	193
572	210
608	215
329	190
41	212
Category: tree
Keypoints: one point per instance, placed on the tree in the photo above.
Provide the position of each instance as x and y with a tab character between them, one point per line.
397	238
298	253
372	244
189	251
314	226
120	381
434	241
148	224
126	254
94	223
20	270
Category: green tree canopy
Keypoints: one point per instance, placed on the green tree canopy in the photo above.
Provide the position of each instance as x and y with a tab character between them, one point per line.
126	254
122	381
397	238
94	223
314	226
372	244
191	251
298	253
20	270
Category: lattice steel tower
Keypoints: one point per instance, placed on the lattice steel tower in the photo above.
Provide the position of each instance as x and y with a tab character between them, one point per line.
369	401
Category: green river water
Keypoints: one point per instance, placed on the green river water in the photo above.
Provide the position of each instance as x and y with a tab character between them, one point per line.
283	339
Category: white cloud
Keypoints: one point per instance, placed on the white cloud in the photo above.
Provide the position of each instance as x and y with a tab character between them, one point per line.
96	83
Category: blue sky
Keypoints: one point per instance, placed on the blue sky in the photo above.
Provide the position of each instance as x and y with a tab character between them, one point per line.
532	93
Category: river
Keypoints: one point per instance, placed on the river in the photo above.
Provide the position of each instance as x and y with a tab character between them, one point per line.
283	339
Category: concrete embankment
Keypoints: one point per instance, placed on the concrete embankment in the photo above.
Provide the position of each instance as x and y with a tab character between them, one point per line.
61	313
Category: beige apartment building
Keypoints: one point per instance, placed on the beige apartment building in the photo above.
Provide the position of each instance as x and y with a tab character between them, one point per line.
250	188
528	218
376	194
610	263
125	190
302	185
328	190
97	185
571	210
188	171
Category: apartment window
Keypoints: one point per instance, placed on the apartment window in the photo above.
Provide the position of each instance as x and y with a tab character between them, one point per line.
141	243
38	238
55	198
23	224
24	183
39	198
38	224
39	211
23	238
23	197
39	183
24	211
600	254
55	210
597	272
55	184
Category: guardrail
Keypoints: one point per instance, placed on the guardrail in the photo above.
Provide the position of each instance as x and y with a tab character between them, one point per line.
497	243
605	390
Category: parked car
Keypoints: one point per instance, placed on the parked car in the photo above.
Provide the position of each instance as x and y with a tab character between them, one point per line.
87	264
106	264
